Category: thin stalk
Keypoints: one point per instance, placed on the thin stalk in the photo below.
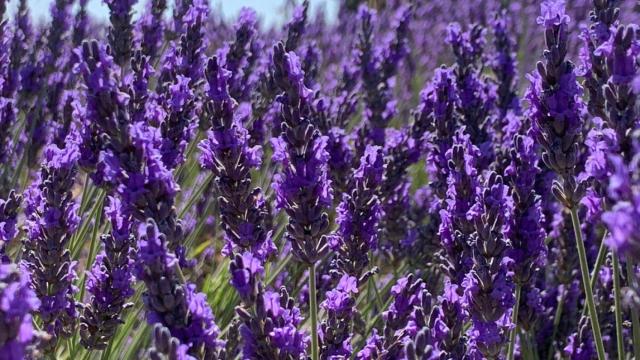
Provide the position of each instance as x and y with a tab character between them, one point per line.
618	306
602	254
556	322
514	319
313	309
635	318
586	284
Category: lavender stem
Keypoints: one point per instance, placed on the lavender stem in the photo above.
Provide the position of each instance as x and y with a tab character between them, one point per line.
618	306
586	283
313	310
514	319
635	318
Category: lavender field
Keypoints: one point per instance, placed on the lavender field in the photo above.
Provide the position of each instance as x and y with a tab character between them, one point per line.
412	180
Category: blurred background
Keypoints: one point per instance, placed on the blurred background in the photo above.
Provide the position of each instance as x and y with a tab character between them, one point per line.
270	11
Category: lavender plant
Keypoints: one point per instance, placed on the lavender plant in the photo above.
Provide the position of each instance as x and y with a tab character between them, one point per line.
375	181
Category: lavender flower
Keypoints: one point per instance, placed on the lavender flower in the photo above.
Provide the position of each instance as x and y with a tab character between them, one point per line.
447	322
488	287
296	26
151	28
622	219
402	320
303	189
51	221
170	302
527	240
336	331
555	105
358	216
455	224
436	110
603	16
227	154
109	282
8	221
17	302
237	53
475	95
81	23
121	30
377	66
619	53
167	347
273	333
18	49
504	64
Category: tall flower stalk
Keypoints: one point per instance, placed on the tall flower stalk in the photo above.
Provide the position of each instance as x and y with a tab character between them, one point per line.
556	112
303	188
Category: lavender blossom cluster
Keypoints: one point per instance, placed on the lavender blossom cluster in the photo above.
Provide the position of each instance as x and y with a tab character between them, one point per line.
417	180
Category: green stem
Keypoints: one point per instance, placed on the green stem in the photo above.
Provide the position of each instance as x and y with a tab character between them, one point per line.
586	284
514	331
313	310
618	306
602	254
635	318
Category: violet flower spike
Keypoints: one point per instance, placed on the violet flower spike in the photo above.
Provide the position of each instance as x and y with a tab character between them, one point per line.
226	152
121	30
358	217
17	304
51	221
110	281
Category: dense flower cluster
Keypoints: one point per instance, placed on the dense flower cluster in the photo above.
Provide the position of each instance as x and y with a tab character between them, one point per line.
371	180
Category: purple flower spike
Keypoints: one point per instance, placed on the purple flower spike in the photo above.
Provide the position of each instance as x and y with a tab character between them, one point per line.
226	152
336	331
121	30
8	221
303	188
17	303
489	287
527	240
110	281
358	216
556	107
51	221
170	302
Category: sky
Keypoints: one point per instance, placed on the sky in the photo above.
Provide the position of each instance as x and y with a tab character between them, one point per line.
269	10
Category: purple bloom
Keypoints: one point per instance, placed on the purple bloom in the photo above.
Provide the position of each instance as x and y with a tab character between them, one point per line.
296	26
150	31
436	110
8	221
456	223
166	346
554	95
476	96
358	216
504	64
488	287
246	272
336	330
51	221
226	152
527	240
622	219
273	334
17	302
169	302
121	30
377	66
303	188
110	281
236	54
